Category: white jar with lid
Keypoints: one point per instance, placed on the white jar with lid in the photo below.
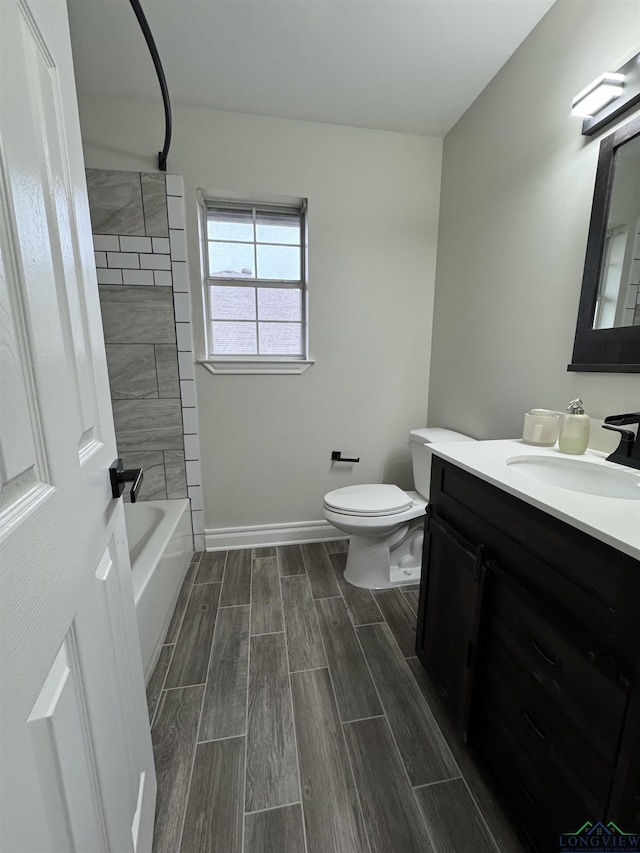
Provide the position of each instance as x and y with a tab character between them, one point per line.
541	427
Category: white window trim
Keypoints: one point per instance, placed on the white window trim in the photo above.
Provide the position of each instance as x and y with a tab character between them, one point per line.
250	365
230	366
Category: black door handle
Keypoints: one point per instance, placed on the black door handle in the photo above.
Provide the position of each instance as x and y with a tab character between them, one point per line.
119	476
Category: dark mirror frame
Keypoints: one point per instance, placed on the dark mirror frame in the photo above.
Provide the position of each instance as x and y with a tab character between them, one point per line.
614	350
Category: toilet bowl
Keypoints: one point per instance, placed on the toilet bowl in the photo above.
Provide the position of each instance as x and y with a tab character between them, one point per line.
386	523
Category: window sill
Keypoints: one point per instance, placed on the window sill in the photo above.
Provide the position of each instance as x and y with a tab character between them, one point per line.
238	366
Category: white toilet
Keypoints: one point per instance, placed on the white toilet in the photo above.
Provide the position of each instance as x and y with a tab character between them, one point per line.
384	522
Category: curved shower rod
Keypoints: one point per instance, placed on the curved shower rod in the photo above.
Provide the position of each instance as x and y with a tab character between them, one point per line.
153	50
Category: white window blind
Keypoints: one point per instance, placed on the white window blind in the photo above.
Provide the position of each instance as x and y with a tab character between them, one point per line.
255	281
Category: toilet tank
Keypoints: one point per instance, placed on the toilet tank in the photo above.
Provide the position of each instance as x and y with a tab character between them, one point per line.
419	441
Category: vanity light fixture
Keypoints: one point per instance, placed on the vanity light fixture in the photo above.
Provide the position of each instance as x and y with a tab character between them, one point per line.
608	97
597	95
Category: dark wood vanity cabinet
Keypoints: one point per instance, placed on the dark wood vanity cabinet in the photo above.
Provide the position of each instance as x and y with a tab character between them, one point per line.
450	606
530	629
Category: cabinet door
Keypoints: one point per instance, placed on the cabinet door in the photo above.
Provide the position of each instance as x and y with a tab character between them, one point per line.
449	615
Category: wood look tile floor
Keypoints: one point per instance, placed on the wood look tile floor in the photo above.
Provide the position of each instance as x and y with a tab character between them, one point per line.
289	715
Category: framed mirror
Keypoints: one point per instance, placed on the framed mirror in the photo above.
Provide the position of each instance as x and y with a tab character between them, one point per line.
608	327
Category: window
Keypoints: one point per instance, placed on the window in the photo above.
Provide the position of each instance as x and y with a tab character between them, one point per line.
255	285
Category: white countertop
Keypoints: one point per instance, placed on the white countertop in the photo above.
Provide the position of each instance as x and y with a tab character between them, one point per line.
611	520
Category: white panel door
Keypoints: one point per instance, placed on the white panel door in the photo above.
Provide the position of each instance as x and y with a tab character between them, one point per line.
76	763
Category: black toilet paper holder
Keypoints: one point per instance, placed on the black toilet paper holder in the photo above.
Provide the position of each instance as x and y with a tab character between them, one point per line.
336	456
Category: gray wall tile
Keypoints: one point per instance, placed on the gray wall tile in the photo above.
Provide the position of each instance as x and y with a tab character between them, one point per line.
175	474
108	276
154	199
123	260
132	371
148	424
141	315
115	202
106	243
143	277
127	210
140	440
167	368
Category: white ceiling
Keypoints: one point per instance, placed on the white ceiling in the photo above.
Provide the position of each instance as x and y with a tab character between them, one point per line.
412	66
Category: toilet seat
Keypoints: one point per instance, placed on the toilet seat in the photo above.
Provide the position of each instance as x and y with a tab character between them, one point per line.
385	524
369	501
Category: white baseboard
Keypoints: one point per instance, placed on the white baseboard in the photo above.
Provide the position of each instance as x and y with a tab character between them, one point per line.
230	538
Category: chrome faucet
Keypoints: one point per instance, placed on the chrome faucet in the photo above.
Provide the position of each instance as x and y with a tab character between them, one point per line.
628	451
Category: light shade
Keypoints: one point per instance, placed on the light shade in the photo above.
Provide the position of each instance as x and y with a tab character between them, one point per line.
597	95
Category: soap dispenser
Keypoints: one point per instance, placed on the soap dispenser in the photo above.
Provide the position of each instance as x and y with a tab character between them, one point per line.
574	432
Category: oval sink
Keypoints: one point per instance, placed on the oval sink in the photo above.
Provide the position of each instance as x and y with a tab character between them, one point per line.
579	475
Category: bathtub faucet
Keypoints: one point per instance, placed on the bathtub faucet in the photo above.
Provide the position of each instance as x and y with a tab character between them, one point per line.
119	475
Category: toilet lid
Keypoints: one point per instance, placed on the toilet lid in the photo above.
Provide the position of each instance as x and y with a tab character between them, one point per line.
376	499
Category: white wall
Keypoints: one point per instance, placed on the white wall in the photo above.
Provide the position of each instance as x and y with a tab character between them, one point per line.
516	199
373	219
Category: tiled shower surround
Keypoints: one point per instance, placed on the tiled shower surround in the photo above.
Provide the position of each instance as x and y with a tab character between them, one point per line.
141	262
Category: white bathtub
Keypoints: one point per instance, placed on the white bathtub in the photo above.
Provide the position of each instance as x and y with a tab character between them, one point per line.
161	547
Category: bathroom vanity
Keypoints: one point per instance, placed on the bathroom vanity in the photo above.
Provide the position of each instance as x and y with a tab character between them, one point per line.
529	626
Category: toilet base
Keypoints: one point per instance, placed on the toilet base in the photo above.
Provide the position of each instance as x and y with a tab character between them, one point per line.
384	563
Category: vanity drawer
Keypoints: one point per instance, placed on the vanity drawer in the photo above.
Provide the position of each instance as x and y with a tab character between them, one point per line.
562	755
566	670
533	803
